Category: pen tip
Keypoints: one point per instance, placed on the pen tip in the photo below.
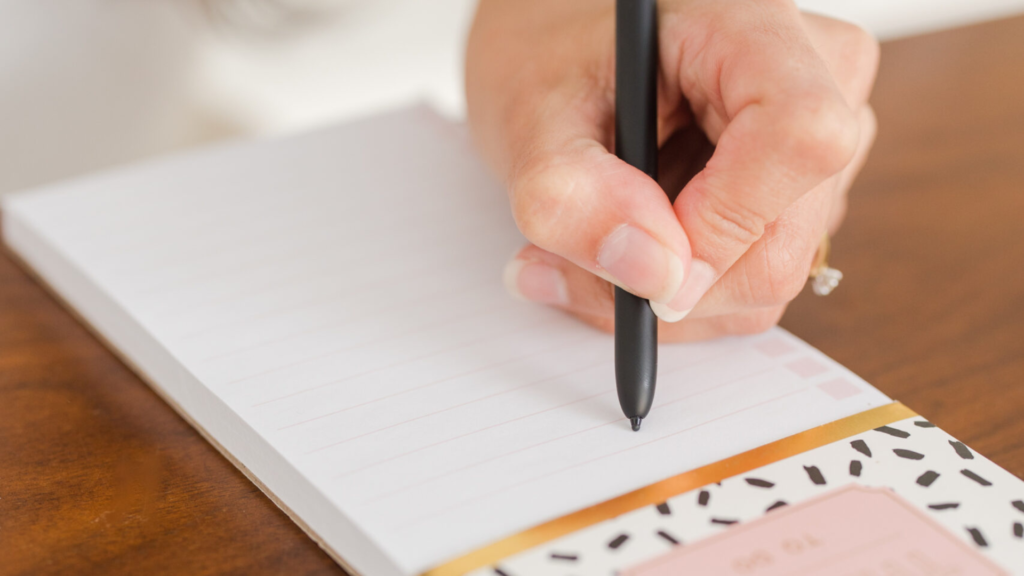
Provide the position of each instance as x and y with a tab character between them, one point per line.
635	422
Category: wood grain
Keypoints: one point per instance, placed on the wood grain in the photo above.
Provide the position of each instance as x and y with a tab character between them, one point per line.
98	475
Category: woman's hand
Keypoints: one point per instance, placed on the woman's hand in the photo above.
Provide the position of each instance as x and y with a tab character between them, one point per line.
782	96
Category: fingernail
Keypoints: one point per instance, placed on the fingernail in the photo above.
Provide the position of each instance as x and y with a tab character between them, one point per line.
537	282
641	264
702	276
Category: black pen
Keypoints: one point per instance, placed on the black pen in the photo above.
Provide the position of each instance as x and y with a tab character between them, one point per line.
636	142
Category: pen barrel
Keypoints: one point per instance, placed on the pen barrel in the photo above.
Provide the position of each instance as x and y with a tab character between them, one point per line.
636	142
636	84
636	356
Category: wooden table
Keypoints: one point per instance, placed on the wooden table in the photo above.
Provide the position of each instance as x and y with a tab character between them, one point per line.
98	475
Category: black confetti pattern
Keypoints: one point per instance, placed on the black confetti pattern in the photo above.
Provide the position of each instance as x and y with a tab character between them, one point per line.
986	535
961	450
862	447
703	498
975	477
855	467
892	431
618	541
978	537
668	537
815	475
908	454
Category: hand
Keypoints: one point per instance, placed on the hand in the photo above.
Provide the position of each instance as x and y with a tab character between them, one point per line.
781	95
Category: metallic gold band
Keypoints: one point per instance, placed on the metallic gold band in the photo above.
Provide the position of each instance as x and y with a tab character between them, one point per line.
665	489
821	258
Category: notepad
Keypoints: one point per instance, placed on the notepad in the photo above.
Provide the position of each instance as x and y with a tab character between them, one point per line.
327	309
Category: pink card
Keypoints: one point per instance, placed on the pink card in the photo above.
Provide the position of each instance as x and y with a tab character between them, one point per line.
852	531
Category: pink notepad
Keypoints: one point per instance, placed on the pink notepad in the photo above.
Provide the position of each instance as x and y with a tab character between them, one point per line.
853	530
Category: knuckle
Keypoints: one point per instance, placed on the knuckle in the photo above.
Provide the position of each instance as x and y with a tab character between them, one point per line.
779	273
787	272
824	132
860	50
540	195
730	221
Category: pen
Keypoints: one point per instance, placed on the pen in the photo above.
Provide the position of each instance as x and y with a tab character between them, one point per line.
636	142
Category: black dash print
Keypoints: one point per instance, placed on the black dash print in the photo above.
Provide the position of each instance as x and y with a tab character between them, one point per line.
855	467
500	572
975	477
1018	530
945	506
1018	504
569	557
759	483
978	538
924	424
618	541
663	509
862	447
668	537
961	450
908	454
703	497
723	521
778	504
815	475
927	478
893	432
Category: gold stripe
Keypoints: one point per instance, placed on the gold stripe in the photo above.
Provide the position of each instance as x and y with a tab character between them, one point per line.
665	489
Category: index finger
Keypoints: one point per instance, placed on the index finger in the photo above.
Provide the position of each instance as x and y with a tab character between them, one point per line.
756	83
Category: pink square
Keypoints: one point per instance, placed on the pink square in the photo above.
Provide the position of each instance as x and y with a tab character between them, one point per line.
775	347
807	367
839	389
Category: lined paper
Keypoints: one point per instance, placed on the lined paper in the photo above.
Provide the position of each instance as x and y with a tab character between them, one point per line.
340	293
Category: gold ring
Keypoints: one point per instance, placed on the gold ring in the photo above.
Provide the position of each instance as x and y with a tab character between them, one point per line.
823	278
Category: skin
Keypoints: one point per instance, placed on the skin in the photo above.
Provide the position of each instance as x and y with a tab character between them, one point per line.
781	95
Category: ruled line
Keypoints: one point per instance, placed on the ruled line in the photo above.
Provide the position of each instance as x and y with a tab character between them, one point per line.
437	267
315	239
459	346
464	503
439	381
442	294
385	338
521	417
570	435
471	433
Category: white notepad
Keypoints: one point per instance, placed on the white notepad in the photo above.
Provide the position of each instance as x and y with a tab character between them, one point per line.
328	309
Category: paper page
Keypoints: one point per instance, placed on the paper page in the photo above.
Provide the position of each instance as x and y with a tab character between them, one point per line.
341	291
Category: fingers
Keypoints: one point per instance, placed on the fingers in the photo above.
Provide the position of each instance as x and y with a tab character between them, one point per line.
850	53
540	276
768	276
868	131
785	128
570	196
775	268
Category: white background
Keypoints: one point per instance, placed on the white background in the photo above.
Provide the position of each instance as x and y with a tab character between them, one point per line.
94	83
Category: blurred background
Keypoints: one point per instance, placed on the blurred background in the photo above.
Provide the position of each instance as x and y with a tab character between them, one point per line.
89	84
